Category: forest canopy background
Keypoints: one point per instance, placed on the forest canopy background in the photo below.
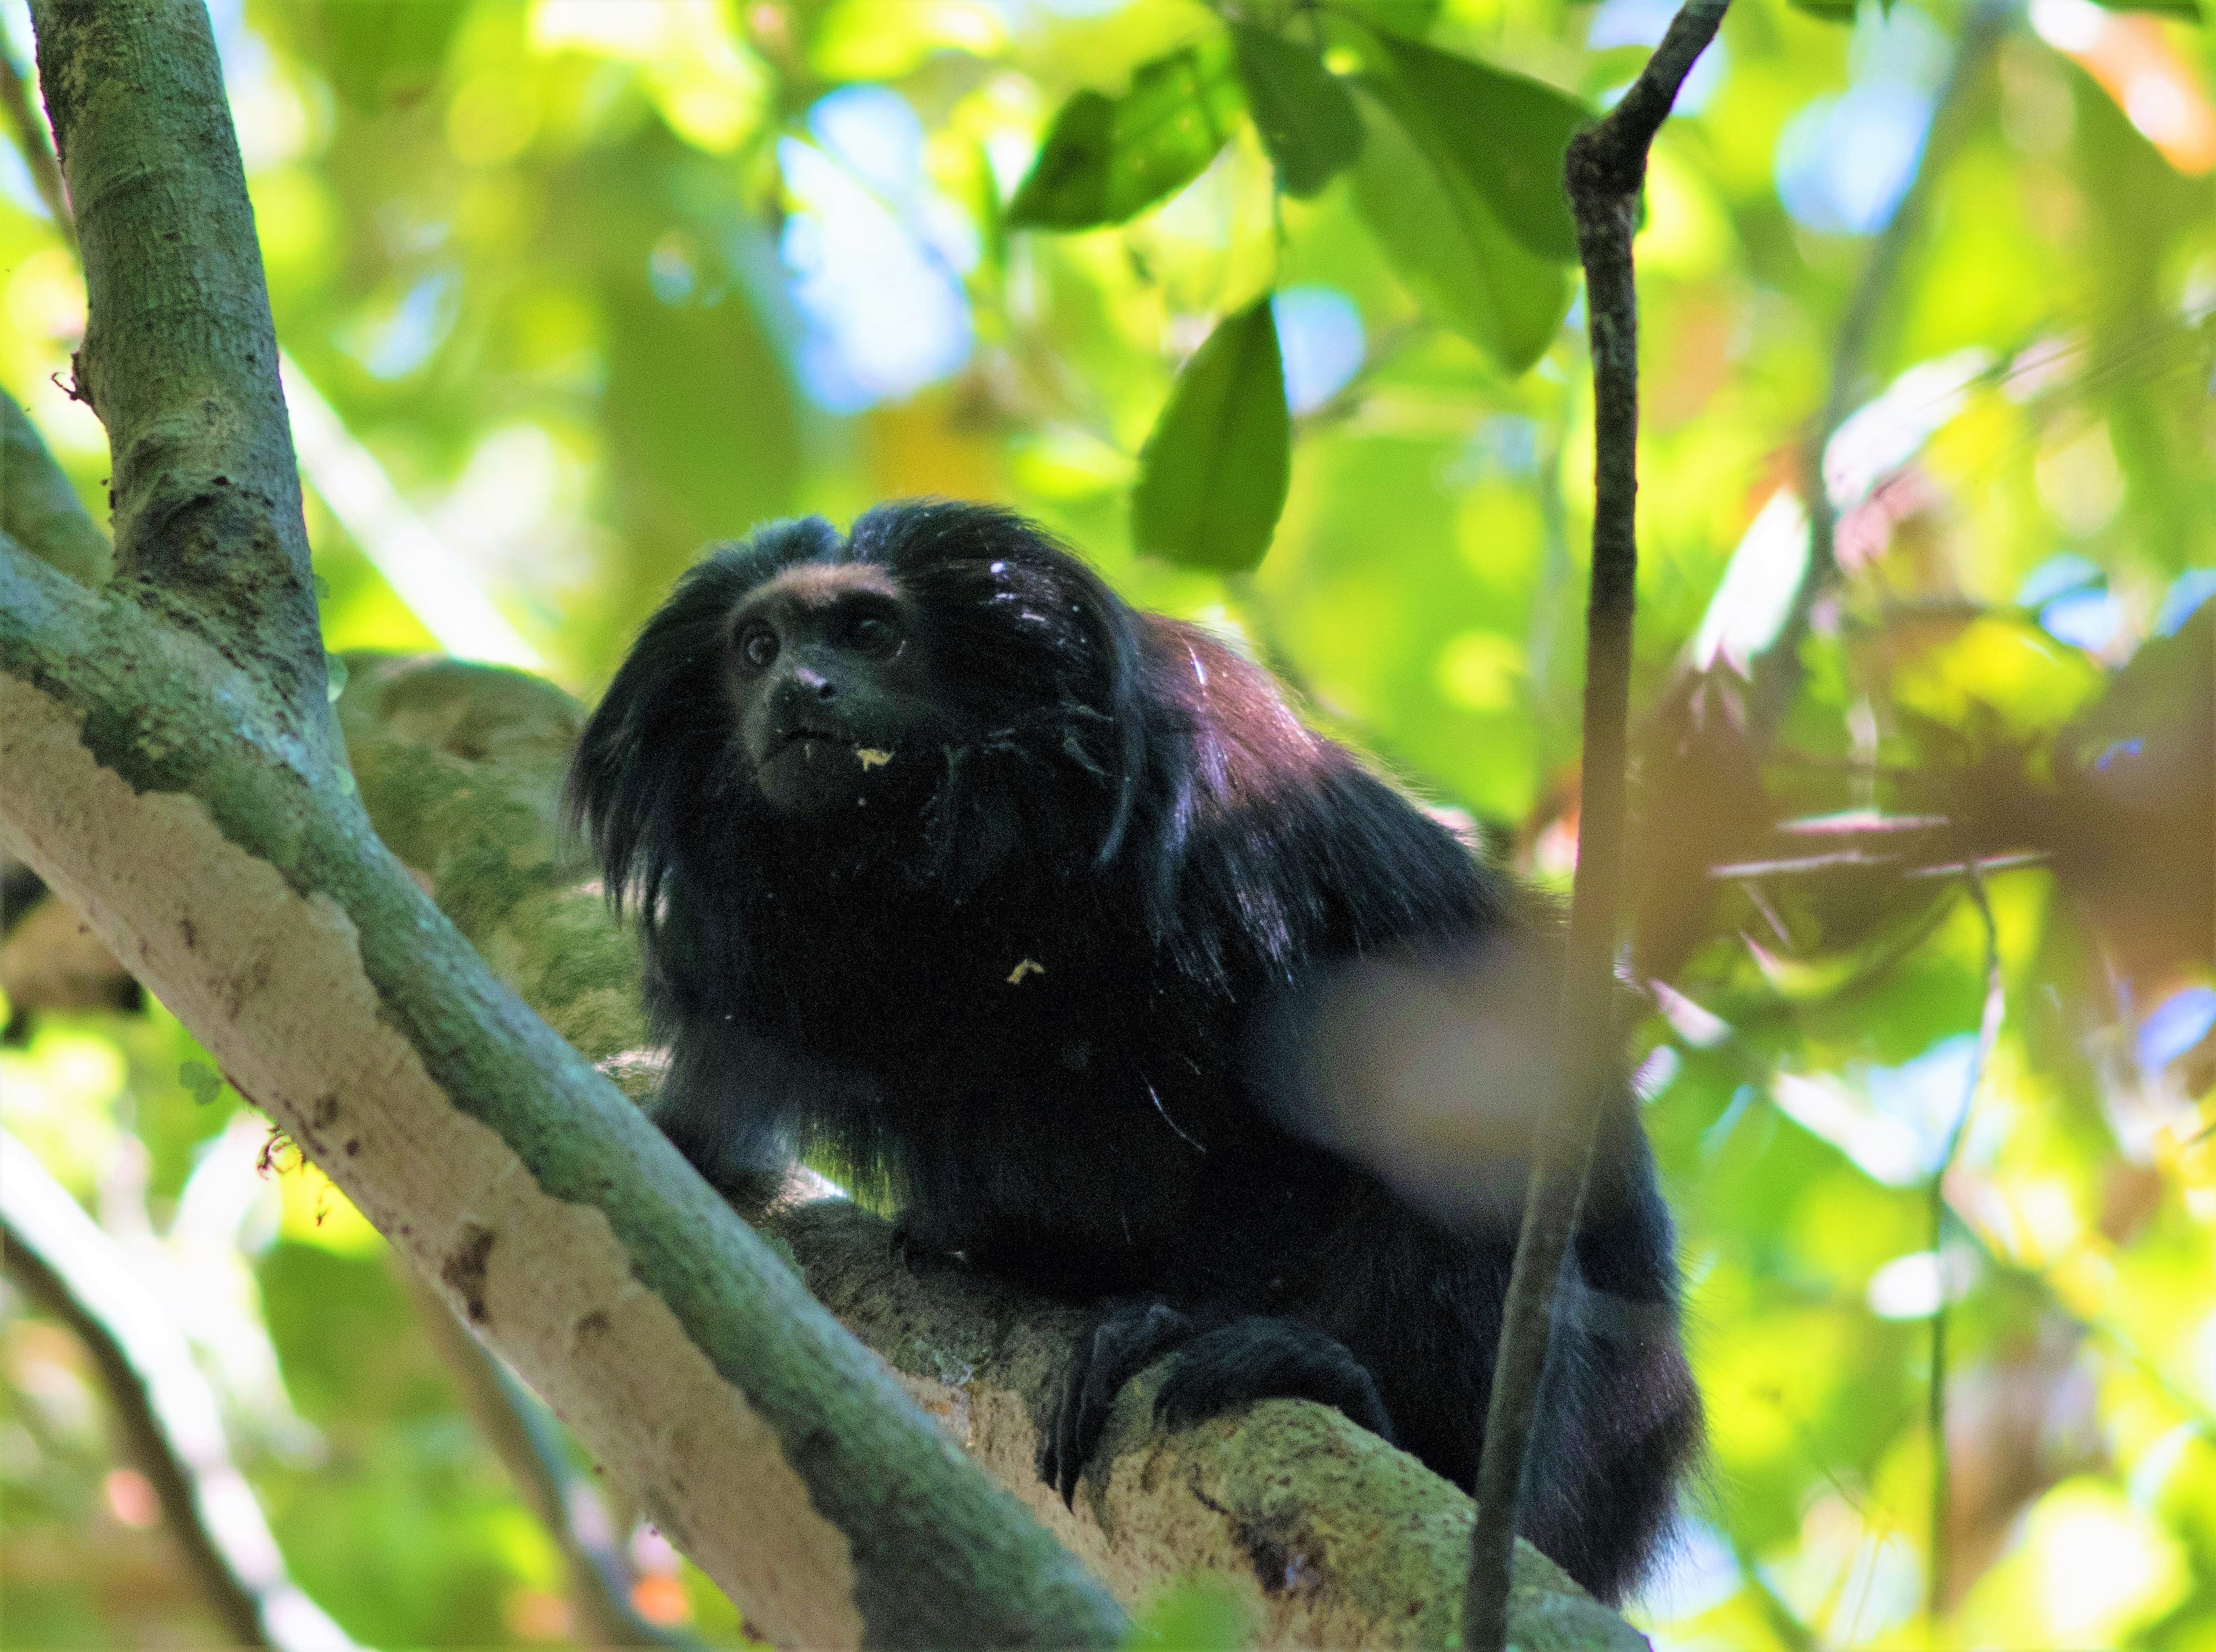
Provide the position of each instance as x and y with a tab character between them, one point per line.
568	289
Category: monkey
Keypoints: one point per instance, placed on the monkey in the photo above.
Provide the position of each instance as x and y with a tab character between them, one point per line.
968	882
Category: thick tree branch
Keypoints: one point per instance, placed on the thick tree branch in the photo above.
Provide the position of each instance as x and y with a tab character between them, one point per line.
179	358
1334	1537
39	509
1605	168
255	899
170	1421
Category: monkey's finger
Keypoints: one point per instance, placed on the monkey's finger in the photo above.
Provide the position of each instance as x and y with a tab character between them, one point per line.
1125	1342
1259	1358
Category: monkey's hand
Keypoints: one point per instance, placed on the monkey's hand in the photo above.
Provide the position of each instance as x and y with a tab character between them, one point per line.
1258	1359
1127	1338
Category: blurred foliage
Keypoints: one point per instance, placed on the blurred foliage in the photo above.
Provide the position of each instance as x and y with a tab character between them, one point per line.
587	283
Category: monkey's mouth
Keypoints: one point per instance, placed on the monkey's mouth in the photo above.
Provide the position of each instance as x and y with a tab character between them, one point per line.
809	740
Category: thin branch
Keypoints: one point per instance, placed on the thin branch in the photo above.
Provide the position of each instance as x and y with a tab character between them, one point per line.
1989	1032
170	1422
524	1437
1778	675
36	148
39	510
180	356
1603	173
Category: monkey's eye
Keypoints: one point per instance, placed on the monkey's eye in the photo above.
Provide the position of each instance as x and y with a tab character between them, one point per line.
876	637
758	646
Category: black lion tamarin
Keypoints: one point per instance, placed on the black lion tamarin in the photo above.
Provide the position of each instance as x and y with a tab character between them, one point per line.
957	873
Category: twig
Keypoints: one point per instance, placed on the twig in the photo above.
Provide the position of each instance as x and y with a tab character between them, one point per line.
1989	1032
2055	1301
1778	676
169	1414
37	149
1603	172
39	509
522	1436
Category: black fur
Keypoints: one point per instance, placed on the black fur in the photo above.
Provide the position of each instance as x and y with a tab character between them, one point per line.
1126	806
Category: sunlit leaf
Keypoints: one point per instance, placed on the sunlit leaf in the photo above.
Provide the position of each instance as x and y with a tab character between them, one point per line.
1506	132
1831	11
1997	665
884	39
1309	122
1105	158
1213	475
1455	254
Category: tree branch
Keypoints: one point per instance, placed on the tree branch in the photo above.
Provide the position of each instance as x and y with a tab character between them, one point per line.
1332	1537
170	1424
39	510
1603	172
179	357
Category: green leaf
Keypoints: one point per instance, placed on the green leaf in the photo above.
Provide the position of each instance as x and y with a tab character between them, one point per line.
1831	11
2185	10
1443	238
202	1082
1507	132
1410	19
1201	1615
384	53
1307	121
1105	158
1213	475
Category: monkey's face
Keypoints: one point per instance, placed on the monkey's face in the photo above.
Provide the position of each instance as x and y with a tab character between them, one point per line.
828	673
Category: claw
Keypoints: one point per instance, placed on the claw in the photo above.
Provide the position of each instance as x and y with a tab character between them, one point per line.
1123	1341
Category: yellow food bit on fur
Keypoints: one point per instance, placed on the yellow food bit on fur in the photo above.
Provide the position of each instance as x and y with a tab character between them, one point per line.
871	758
1029	967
